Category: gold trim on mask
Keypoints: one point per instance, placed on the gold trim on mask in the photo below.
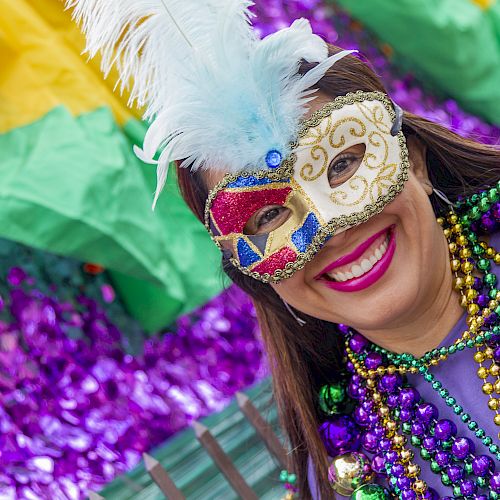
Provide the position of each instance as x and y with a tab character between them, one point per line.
286	169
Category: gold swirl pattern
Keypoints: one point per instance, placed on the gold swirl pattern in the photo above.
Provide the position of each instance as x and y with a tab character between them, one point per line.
307	170
372	138
317	135
384	180
355	183
374	115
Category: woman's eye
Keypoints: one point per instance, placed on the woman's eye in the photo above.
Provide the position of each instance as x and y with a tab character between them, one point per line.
268	216
344	165
267	219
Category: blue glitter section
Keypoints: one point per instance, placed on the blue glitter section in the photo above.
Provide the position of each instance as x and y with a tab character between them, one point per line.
246	255
302	237
273	158
252	181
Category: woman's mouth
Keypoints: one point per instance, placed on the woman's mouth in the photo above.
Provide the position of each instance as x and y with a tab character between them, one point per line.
364	266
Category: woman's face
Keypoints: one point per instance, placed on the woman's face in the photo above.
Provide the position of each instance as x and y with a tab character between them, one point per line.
378	274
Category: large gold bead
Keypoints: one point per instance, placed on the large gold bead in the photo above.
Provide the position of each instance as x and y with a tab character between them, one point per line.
488	352
479	357
457	228
493	404
458	283
482	372
497	386
494	370
383	411
472	309
413	470
496	419
467	267
399	440
452	247
440	221
496	259
462	240
488	388
490	252
406	455
345	473
479	320
471	294
453	218
469	280
419	486
465	253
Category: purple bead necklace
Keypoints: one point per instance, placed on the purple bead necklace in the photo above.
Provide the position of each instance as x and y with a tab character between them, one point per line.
390	415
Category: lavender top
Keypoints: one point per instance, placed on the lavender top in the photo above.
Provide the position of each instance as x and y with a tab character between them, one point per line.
458	374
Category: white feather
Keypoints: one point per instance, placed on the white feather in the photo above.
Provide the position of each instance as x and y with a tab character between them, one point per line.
217	96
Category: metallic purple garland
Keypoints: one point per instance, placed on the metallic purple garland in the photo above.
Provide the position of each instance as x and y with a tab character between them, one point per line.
77	412
338	28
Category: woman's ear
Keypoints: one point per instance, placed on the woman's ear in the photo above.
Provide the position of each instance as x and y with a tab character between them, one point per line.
418	164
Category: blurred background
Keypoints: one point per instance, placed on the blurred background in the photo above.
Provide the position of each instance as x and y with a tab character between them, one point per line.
117	328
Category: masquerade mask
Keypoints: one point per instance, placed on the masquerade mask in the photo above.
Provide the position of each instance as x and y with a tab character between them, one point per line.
350	160
240	108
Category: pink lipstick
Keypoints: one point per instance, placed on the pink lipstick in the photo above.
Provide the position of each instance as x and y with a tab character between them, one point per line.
372	259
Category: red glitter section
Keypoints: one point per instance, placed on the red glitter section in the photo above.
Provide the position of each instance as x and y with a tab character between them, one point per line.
231	211
276	261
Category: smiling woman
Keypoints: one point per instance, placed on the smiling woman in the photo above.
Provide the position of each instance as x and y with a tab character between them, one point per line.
354	226
389	278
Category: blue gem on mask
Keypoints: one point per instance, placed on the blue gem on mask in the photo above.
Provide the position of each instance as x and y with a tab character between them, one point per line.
273	158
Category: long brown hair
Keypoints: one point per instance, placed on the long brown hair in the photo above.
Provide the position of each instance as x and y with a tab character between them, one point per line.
302	359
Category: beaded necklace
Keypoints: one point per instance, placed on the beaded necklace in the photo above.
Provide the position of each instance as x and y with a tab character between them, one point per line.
389	415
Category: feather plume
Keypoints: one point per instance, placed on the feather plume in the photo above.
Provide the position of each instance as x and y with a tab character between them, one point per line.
217	96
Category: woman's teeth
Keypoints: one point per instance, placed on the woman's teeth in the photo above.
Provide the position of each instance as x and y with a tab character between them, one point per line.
359	267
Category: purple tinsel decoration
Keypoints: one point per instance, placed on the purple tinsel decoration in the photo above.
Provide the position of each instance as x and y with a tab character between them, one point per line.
336	27
77	412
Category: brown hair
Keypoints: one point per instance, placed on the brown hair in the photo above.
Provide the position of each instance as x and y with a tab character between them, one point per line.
304	358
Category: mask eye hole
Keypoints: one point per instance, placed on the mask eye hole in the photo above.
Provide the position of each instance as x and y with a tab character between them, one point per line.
267	219
345	164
